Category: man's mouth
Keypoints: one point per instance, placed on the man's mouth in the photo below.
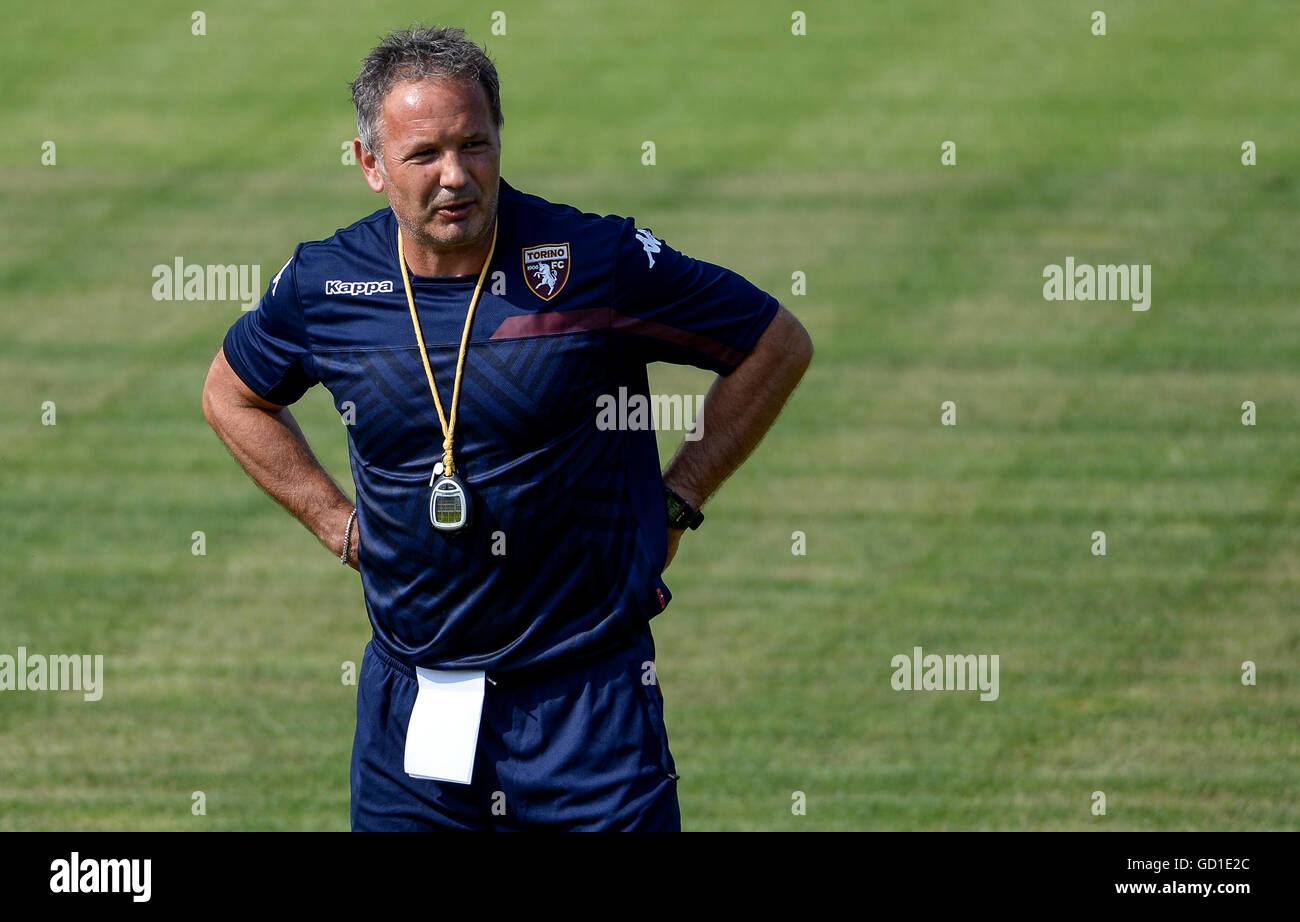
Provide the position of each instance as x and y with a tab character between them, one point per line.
457	210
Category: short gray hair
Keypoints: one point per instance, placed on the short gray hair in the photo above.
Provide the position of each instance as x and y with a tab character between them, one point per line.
419	53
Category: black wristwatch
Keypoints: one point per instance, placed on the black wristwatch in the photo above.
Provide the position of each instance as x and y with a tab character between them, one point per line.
681	514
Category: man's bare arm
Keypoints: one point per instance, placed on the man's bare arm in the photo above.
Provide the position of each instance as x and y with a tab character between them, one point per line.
738	411
268	443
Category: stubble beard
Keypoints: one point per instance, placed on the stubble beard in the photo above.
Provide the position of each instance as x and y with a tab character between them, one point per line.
420	234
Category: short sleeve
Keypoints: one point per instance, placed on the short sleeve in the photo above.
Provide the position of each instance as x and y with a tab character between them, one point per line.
669	307
268	346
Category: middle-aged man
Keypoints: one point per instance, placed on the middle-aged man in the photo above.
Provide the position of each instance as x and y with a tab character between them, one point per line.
510	548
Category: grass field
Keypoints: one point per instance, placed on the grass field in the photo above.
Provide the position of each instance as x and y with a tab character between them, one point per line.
775	153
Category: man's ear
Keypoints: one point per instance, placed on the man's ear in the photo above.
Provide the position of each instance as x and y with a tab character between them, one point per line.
369	164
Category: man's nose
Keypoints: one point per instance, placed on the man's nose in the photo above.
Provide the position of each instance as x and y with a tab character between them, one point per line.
454	174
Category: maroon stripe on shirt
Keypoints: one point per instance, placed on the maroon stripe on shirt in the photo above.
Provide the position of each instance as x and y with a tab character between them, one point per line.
575	321
594	318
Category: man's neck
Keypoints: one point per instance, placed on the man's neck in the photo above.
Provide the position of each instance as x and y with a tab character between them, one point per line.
422	259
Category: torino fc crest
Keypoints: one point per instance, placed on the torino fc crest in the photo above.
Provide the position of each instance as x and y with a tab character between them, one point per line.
546	269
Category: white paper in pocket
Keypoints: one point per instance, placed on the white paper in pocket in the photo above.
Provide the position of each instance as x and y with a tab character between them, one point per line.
443	734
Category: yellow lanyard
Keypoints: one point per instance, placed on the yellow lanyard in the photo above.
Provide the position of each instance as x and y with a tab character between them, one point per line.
448	428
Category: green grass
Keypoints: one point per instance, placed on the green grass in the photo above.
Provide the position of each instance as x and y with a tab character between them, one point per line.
775	153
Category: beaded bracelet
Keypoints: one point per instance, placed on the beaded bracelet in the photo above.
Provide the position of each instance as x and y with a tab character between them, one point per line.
347	537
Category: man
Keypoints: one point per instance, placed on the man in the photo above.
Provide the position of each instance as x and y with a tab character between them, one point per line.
510	548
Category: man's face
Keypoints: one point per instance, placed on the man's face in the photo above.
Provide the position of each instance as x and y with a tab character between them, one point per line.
440	148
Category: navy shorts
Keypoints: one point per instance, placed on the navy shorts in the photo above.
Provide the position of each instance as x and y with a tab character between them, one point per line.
580	749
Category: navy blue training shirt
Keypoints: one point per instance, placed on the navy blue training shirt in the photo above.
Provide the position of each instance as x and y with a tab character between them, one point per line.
574	307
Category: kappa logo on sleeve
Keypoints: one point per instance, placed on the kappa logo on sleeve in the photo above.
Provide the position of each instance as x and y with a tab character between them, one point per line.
275	282
546	269
336	287
649	243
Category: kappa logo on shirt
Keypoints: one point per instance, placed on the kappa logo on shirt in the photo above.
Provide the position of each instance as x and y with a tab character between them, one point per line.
546	269
336	287
649	244
275	282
